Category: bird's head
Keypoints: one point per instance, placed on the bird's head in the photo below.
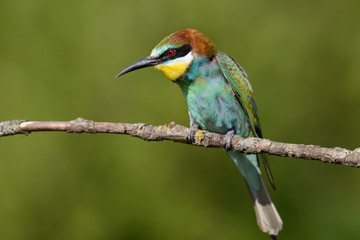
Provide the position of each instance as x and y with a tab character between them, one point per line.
175	53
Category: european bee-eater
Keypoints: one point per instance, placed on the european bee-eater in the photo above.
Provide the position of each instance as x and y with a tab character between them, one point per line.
220	99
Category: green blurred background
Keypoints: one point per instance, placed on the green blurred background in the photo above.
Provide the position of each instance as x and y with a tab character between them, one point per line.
58	60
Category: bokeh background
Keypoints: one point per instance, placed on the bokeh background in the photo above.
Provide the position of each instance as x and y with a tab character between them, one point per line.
58	60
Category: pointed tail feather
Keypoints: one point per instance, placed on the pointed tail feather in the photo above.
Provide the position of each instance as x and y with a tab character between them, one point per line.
267	216
268	170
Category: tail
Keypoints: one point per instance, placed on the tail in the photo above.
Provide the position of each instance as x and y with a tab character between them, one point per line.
267	216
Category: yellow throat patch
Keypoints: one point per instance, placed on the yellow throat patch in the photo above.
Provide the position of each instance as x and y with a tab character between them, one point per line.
175	68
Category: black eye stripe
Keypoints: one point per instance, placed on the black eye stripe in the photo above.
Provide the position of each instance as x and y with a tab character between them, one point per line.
179	52
182	51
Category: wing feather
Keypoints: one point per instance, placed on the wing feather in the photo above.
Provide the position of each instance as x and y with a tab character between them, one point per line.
241	87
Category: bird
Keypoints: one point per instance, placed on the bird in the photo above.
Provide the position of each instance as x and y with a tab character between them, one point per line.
219	99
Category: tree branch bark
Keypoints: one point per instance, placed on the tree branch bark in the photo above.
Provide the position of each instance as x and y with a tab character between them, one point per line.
177	133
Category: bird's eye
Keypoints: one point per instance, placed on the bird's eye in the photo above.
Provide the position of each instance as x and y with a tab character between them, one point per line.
170	52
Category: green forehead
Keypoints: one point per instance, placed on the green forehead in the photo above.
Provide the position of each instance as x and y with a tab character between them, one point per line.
162	47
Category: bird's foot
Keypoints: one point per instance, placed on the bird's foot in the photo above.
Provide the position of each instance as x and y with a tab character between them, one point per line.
190	138
228	138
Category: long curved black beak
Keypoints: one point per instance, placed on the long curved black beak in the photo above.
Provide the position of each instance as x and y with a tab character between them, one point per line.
145	62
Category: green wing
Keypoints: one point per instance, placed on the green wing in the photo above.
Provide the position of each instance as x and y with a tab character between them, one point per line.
237	79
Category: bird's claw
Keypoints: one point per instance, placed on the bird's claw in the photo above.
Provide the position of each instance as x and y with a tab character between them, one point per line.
228	138
190	138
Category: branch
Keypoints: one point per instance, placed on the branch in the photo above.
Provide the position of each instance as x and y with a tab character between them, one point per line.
179	133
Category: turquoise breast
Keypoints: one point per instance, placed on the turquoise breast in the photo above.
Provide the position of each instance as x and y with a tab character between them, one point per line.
211	103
